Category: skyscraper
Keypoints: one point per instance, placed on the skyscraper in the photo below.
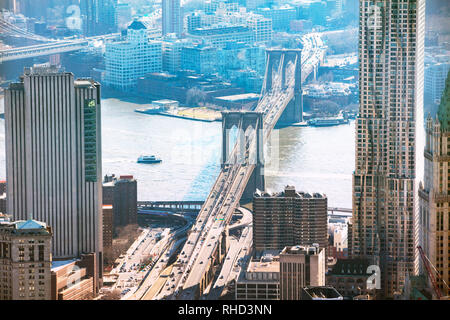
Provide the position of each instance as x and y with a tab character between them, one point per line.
99	16
53	158
172	20
435	194
389	138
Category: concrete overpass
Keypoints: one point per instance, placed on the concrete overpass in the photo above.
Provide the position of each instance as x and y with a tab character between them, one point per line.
195	206
206	244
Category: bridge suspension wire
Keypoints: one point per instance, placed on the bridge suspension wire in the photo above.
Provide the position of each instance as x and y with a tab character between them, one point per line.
263	88
7	28
278	84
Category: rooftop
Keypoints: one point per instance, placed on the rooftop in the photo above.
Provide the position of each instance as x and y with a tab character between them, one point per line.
309	250
237	97
350	267
30	224
289	192
56	265
218	31
322	293
264	265
137	25
21	227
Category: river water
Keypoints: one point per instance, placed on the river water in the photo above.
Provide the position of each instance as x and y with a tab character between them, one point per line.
311	159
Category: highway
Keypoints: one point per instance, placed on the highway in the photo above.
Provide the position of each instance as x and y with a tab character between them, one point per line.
161	253
232	263
128	272
197	255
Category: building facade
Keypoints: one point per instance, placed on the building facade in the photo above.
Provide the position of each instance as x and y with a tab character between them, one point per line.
25	260
300	267
74	279
121	194
171	54
219	36
126	61
199	58
53	157
349	277
260	280
389	158
3	197
172	18
108	223
435	193
435	75
289	218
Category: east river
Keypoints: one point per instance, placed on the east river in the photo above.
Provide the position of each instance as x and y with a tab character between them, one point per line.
313	159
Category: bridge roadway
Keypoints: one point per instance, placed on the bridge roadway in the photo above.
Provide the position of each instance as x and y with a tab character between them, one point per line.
54	47
194	267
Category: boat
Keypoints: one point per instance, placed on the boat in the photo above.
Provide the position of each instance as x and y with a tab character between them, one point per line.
326	122
151	110
148	159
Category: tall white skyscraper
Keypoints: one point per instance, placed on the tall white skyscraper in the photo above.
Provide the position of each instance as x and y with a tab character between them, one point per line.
53	158
172	19
389	138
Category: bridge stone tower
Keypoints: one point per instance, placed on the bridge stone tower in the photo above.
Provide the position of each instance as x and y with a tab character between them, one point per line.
279	61
245	120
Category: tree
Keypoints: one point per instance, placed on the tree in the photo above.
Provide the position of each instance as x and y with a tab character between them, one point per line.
111	295
195	96
326	107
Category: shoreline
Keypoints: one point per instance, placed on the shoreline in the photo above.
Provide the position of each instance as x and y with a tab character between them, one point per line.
186	117
166	114
277	126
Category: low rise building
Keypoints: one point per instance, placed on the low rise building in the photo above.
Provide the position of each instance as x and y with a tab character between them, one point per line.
260	280
199	58
301	266
25	260
349	277
74	279
217	37
183	86
320	293
281	16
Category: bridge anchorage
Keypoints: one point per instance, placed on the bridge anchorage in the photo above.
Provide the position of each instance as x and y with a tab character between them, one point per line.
249	124
279	63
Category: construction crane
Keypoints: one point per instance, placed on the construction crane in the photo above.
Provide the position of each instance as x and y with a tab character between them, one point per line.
427	263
